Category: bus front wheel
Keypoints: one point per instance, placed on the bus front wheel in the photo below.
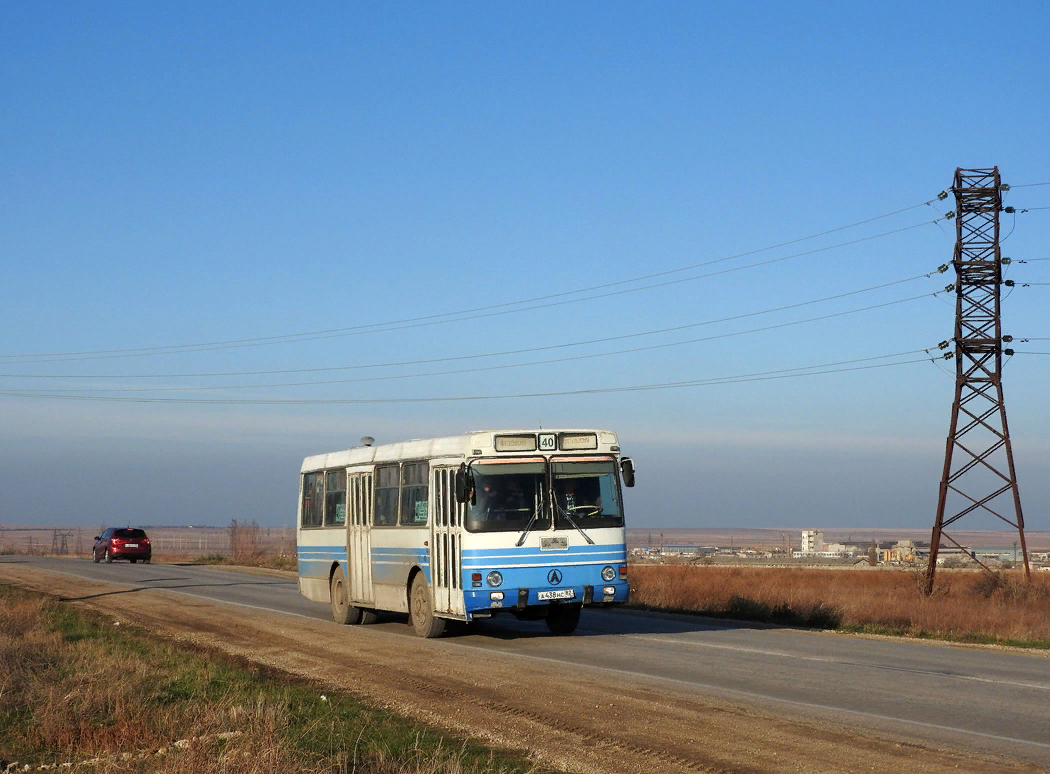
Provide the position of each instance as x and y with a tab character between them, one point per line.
563	619
421	611
342	611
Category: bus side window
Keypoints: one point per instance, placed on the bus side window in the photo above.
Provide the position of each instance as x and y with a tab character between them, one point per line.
386	496
313	499
335	498
414	493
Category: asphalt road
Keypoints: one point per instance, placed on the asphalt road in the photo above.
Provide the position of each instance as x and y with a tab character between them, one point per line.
965	699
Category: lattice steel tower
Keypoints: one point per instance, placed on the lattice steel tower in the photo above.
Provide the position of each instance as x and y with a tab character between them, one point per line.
978	455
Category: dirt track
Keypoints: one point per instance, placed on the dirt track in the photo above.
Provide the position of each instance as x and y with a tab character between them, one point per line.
583	720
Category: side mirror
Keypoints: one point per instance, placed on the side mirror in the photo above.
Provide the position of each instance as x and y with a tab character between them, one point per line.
627	470
97	537
464	484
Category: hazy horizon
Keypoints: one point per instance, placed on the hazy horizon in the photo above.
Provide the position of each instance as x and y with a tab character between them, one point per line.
232	238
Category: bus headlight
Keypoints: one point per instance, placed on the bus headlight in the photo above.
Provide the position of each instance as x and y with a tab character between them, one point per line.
495	578
608	574
496	596
610	591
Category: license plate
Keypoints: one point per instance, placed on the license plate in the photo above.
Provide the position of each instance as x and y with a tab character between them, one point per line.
556	594
131	545
554	544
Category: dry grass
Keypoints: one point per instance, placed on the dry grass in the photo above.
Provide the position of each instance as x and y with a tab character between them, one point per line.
74	689
967	606
289	563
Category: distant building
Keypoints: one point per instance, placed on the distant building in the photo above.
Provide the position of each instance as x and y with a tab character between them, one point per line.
687	550
839	549
812	542
951	554
902	551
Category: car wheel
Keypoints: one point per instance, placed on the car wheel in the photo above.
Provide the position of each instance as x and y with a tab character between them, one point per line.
94	556
342	611
109	557
421	612
133	561
146	560
563	619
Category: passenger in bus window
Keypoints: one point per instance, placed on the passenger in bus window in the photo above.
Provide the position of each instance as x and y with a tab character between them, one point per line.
487	502
515	503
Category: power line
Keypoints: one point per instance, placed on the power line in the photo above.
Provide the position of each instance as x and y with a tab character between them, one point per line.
463	315
491	368
527	350
759	376
1028	185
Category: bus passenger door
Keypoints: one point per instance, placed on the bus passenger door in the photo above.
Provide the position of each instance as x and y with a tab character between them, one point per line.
359	546
445	562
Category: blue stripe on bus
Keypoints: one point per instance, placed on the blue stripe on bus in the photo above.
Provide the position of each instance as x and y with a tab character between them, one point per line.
578	550
561	556
400	550
477	559
389	564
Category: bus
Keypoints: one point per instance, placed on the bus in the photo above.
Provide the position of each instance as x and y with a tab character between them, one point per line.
522	522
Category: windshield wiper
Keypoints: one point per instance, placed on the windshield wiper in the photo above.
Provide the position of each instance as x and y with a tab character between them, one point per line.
528	526
535	515
568	518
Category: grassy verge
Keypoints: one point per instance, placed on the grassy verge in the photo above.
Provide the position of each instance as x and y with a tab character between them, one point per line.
76	688
966	607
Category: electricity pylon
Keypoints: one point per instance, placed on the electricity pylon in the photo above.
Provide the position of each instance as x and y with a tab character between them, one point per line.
985	461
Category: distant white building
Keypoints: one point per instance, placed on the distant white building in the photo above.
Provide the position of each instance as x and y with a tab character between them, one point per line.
812	542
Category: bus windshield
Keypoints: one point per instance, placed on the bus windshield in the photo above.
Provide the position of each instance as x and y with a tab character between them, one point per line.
507	496
587	493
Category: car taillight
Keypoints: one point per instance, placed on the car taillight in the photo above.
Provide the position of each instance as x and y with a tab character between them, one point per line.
145	540
116	541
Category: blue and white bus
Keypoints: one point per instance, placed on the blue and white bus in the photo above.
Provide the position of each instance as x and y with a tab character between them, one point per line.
526	522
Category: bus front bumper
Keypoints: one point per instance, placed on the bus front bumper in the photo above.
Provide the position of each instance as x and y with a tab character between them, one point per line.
524	598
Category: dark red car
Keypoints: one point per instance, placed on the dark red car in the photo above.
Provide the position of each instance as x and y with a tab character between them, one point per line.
122	543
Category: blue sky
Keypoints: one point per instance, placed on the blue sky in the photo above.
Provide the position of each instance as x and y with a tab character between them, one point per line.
195	174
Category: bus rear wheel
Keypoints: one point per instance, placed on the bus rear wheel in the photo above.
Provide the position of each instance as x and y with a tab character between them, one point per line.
563	619
342	611
421	611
